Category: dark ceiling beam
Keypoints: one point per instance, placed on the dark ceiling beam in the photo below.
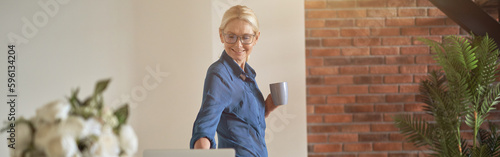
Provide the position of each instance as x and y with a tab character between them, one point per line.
470	17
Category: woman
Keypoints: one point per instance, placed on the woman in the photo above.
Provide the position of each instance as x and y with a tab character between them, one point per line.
232	103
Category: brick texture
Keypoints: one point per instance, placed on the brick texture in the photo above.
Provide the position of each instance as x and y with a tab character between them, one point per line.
364	65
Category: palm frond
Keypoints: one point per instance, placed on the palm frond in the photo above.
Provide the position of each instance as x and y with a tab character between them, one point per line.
494	143
463	53
490	99
433	92
486	53
447	145
489	139
417	130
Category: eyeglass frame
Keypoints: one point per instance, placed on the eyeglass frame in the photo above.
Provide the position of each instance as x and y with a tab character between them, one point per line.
238	37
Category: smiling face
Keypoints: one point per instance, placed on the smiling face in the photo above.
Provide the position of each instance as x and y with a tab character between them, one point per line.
238	51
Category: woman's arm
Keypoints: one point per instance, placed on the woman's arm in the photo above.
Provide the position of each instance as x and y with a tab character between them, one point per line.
269	105
216	97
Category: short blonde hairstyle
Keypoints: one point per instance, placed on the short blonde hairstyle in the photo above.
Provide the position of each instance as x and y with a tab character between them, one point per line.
242	13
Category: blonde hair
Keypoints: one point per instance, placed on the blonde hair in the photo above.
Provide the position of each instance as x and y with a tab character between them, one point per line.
242	13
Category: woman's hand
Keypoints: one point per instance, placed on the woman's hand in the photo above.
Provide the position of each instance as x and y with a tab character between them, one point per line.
202	143
269	105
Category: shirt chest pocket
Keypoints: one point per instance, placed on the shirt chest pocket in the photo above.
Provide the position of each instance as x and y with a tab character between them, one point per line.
246	108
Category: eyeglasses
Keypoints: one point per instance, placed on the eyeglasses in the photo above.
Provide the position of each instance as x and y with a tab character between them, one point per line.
244	39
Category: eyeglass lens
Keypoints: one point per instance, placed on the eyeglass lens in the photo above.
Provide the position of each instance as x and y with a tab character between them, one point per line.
245	39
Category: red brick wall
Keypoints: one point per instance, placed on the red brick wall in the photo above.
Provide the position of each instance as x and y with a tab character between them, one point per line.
363	66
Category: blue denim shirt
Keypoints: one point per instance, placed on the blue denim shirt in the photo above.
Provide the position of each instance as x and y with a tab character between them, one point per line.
233	106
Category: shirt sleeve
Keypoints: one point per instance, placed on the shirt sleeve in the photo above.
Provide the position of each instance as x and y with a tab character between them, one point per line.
216	97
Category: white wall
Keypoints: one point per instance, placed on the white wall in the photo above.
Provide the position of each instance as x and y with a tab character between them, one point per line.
82	42
129	40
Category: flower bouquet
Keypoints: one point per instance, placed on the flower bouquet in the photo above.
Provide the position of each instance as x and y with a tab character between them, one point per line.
76	128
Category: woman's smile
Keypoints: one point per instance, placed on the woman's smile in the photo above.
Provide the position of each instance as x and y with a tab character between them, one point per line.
239	52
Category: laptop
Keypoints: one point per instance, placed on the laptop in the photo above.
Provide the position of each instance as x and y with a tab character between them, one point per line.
189	153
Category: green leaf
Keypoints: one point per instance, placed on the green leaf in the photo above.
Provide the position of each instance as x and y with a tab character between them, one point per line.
122	115
73	99
101	86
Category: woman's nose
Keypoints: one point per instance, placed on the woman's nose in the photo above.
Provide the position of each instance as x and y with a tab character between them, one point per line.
238	42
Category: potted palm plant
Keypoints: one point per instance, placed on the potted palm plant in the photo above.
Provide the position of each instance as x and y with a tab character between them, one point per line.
462	92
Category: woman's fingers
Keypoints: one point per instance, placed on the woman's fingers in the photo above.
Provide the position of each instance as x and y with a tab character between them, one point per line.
269	105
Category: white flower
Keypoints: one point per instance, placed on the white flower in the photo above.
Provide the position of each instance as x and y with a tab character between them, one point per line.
91	127
23	138
107	145
72	126
55	110
62	146
44	134
128	140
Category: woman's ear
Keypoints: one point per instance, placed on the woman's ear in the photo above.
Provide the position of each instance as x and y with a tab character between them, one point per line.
257	35
221	36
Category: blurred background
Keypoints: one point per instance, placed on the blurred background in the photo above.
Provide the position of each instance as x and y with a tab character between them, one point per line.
157	54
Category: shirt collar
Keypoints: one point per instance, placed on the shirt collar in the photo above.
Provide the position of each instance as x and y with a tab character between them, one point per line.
235	68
